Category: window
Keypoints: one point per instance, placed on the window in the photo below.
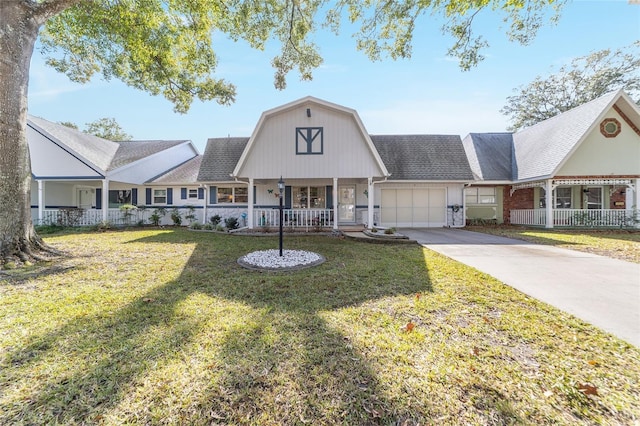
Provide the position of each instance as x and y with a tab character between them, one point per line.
309	140
594	198
159	196
225	195
480	195
610	127
308	197
193	193
241	195
119	197
230	195
563	197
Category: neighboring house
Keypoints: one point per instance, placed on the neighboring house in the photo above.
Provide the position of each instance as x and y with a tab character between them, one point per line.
74	172
581	168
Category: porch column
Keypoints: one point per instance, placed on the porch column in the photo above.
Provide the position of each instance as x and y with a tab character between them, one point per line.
105	200
250	205
636	201
370	203
40	201
335	203
204	207
548	195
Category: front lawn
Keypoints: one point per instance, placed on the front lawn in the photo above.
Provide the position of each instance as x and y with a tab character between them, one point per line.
162	326
617	244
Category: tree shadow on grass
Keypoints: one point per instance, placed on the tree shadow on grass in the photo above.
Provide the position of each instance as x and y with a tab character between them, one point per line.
220	344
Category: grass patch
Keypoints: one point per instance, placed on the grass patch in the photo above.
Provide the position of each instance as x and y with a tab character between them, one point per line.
617	244
163	327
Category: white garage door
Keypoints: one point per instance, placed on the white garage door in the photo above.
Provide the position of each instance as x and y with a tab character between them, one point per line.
415	208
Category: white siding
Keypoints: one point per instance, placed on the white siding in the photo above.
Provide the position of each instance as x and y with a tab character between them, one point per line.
345	149
49	160
598	155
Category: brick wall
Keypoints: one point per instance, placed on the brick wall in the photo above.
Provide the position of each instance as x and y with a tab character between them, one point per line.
521	199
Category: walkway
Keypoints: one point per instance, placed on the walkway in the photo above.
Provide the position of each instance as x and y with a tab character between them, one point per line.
602	291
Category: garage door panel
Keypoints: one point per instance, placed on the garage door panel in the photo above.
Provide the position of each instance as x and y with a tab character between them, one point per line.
416	207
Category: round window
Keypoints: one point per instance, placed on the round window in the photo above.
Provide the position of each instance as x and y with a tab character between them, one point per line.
610	127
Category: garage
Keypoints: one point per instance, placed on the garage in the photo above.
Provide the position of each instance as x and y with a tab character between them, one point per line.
413	207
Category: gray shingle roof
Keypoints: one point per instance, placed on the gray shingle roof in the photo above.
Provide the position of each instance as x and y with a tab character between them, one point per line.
186	172
131	151
423	157
99	152
220	158
541	148
490	155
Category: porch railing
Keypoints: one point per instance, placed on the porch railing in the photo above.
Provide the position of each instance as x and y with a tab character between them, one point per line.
302	218
575	217
89	217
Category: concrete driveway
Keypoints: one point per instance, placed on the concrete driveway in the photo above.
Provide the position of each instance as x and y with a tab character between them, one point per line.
602	291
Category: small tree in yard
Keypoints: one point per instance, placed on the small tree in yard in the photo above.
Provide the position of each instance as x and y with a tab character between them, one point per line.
166	48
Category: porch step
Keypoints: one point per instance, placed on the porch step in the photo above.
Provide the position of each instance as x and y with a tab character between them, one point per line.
379	238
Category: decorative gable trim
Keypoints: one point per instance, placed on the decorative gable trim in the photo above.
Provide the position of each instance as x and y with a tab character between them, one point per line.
626	119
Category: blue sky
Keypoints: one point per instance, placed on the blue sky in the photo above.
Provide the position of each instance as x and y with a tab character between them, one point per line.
425	94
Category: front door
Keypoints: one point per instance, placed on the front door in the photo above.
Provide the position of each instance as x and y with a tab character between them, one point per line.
347	204
85	198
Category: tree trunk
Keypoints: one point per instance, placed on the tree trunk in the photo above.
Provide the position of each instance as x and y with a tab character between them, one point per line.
18	32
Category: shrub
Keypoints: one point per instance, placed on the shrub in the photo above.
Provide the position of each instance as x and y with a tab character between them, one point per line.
176	217
390	231
231	223
215	219
208	226
191	214
157	216
195	225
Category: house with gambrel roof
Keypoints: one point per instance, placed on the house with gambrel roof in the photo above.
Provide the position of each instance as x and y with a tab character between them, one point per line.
579	168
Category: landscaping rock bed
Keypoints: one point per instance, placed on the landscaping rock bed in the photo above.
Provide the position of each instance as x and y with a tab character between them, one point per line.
270	260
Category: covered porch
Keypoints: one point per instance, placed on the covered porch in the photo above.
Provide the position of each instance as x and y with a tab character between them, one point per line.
605	203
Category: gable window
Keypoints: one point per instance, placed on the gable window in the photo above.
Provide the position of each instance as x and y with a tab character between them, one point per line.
308	197
159	196
480	195
309	140
233	195
193	193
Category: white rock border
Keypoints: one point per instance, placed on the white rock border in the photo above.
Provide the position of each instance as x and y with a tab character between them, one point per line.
270	260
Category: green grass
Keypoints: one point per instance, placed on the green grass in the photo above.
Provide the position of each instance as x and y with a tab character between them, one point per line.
617	244
163	327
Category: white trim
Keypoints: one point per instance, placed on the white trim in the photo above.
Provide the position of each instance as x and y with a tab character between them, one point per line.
335	203
566	182
105	200
548	194
250	203
41	190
